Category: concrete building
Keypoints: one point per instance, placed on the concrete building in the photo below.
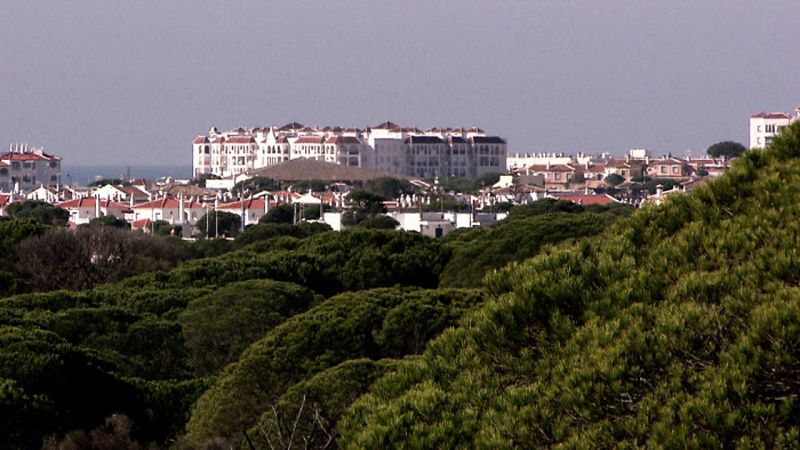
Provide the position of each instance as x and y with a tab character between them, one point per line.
25	169
386	147
765	126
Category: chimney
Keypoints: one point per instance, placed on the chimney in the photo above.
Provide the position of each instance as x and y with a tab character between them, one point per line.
180	208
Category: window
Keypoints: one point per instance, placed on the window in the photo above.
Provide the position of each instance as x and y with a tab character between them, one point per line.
675	169
663	169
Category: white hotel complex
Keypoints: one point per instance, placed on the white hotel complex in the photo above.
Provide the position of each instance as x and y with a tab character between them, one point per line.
764	126
386	147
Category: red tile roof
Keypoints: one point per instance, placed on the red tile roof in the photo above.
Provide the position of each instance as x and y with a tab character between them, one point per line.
12	156
386	126
342	140
241	140
200	140
140	224
588	199
250	203
89	202
309	140
5	199
772	115
168	203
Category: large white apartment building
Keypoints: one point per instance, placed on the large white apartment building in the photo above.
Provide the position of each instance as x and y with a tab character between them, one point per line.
25	169
764	126
386	147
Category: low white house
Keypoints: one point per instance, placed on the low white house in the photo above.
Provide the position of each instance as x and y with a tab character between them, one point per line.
253	209
43	194
172	210
83	210
110	192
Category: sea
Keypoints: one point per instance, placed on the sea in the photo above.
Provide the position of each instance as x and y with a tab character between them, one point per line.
85	174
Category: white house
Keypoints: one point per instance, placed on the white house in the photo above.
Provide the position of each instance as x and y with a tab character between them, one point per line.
43	194
170	210
253	209
83	210
764	126
110	192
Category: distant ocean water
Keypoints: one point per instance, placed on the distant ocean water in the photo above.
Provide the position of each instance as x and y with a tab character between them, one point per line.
85	174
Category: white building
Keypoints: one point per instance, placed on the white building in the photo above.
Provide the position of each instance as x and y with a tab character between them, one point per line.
83	210
385	147
172	210
25	169
764	126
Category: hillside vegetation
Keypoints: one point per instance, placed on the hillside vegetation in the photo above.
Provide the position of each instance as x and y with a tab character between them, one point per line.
677	327
267	344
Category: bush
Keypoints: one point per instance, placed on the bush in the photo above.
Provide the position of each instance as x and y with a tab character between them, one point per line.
379	222
339	329
677	327
219	326
42	212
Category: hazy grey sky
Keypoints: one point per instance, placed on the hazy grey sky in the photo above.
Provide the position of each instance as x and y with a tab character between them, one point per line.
132	82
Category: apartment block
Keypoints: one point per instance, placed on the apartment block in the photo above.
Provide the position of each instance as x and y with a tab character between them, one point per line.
386	147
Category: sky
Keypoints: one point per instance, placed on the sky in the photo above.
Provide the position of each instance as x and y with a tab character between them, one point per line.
133	82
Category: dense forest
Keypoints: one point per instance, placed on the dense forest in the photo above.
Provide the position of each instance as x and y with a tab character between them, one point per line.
674	326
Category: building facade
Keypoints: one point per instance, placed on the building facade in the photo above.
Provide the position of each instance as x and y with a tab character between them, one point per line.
765	126
386	147
25	169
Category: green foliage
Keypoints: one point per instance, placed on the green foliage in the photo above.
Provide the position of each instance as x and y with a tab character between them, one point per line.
676	328
371	324
310	186
254	186
219	326
487	179
206	248
389	187
458	184
310	409
266	231
578	178
363	204
614	179
447	204
12	233
527	229
164	228
47	386
651	185
379	222
108	221
219	223
42	212
278	214
63	259
728	149
327	263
